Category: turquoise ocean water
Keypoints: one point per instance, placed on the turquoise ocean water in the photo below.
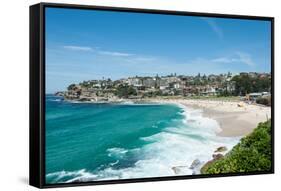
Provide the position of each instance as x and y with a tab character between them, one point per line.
89	142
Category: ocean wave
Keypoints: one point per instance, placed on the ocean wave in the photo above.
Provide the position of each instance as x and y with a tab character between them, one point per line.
70	176
116	152
131	103
114	163
154	126
126	103
55	100
170	152
193	138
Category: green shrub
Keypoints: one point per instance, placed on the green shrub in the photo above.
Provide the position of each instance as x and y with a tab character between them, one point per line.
124	91
264	101
71	87
252	153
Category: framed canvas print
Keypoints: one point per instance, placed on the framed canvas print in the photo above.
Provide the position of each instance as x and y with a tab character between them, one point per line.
123	95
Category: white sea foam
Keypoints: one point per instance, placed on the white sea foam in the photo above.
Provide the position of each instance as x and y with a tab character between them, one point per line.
178	146
79	174
138	103
114	163
175	147
55	100
126	103
116	152
154	126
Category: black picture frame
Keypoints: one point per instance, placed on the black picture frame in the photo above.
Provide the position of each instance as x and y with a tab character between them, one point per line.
37	93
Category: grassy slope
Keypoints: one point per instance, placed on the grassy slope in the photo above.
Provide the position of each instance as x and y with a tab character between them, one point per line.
253	153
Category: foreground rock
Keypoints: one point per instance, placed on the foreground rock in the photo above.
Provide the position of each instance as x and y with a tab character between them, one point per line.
194	168
216	156
221	149
181	169
59	94
195	164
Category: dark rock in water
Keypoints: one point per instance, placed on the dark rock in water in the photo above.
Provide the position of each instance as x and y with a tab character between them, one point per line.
195	164
217	156
221	149
180	169
176	170
59	94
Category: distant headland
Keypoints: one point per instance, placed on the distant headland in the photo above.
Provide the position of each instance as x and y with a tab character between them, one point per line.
252	86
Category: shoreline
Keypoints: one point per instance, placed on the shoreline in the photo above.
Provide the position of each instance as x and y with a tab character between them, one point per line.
235	118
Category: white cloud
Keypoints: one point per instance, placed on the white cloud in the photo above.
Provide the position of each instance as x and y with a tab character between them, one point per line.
241	57
78	48
214	26
110	53
223	60
245	58
97	50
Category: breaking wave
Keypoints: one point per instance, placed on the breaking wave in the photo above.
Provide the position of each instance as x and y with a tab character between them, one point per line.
170	152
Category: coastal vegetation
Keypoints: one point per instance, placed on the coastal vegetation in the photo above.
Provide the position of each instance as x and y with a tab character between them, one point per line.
251	154
125	91
245	84
264	101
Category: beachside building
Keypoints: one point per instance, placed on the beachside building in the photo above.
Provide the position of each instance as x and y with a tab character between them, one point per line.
148	82
253	74
253	96
164	84
243	74
176	85
230	86
264	75
97	85
210	91
134	81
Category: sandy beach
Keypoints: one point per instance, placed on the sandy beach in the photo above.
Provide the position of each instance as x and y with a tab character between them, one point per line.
234	118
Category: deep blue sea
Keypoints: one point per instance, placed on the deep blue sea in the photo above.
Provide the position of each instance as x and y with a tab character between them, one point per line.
89	142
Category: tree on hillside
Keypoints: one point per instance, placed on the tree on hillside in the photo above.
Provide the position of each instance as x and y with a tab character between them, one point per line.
124	91
245	84
70	87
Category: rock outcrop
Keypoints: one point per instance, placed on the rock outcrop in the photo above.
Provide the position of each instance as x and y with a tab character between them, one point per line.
195	164
221	149
216	156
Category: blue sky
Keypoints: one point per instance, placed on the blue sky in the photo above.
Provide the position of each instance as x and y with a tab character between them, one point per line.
86	44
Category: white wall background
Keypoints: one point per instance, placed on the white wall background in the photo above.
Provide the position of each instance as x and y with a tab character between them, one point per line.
14	40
